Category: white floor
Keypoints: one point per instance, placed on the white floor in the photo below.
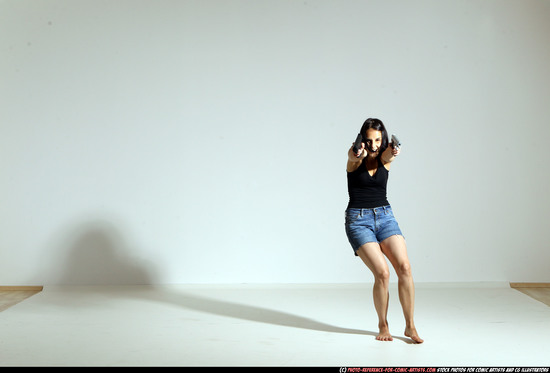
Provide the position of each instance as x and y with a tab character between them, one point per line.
272	325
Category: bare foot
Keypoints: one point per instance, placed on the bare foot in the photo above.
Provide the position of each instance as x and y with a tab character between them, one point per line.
384	334
413	334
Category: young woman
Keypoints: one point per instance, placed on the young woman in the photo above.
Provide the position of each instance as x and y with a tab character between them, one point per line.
371	227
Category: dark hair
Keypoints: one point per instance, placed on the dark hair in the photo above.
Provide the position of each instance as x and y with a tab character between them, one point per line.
376	124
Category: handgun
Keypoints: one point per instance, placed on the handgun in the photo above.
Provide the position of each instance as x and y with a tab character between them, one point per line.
357	143
395	141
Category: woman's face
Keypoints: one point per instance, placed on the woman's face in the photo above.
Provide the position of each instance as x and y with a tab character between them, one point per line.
373	142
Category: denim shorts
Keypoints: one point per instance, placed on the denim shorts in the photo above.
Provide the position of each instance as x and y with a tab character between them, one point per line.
370	225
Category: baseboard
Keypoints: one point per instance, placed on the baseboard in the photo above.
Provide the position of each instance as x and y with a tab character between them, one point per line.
21	288
530	284
512	285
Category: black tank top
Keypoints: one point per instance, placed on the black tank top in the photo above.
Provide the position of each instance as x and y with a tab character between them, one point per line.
365	191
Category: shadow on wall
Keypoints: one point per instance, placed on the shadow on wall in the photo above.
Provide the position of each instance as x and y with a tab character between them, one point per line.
95	253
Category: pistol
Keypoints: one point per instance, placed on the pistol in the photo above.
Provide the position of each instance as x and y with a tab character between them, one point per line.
357	143
395	141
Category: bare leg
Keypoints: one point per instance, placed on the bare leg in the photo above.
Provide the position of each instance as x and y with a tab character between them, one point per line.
372	256
395	249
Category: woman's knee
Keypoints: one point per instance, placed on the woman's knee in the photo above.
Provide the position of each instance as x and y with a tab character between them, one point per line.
382	276
404	269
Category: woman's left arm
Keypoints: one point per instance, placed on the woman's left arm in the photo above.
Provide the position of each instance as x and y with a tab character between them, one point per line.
389	155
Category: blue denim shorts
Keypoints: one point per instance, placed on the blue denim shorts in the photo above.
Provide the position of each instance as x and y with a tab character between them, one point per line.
370	225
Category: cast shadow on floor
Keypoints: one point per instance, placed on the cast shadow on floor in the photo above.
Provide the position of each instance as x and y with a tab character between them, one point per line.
248	312
97	254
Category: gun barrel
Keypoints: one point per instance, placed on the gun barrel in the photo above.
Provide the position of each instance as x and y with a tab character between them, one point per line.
357	143
395	141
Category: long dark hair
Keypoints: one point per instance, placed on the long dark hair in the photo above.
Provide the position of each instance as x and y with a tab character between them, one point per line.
376	124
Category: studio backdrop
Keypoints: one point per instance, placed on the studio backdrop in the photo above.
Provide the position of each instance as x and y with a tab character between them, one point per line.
205	141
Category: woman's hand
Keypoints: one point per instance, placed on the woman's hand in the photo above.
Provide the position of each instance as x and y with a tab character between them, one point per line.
389	155
395	150
355	159
359	156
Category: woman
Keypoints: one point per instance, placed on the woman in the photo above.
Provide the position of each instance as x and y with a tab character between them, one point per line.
371	227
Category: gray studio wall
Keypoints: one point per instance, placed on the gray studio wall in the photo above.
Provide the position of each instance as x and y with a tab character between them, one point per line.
205	141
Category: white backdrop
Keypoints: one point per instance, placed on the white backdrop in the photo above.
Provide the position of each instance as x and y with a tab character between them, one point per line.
205	141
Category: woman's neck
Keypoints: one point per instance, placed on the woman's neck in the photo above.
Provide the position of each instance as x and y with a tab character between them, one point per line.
372	161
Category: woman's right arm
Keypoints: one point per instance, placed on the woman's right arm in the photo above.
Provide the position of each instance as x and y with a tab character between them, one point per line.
354	160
